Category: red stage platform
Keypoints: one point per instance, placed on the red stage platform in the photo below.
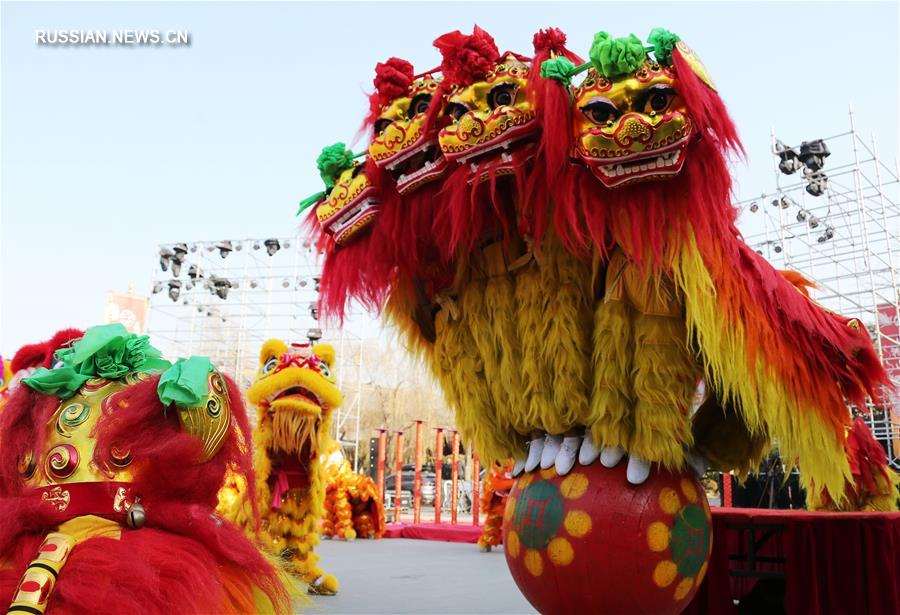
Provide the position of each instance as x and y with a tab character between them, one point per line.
842	563
432	531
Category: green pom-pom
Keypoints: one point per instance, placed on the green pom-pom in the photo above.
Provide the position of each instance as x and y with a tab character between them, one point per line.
333	160
560	69
663	43
613	57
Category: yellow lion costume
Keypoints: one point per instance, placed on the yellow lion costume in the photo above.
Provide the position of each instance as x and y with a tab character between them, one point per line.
294	394
353	508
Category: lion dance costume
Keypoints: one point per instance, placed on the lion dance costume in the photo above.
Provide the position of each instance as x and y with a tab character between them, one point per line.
110	466
353	507
564	258
495	489
294	394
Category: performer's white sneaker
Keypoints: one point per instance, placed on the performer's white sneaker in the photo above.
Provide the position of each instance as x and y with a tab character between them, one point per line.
637	471
589	452
565	459
610	456
552	445
535	450
518	467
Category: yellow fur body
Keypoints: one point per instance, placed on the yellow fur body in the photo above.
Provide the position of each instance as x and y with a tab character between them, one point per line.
644	373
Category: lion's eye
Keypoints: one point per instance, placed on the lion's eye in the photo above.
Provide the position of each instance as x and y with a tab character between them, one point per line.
601	111
658	99
456	111
419	105
269	365
381	125
502	95
323	369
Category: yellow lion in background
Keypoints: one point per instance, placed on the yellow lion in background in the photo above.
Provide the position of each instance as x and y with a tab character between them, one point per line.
353	507
294	394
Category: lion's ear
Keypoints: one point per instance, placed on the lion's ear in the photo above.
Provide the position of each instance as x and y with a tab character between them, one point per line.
325	352
271	348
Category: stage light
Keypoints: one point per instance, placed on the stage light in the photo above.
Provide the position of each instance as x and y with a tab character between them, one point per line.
181	251
220	286
302	283
285	283
157	288
272	246
194	272
817	184
224	248
253	283
813	154
174	289
754	207
801	215
778	248
238	246
165	257
286	244
318	282
790	162
314	311
256	245
314	335
813	222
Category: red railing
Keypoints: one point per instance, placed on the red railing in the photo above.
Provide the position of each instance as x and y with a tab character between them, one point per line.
439	475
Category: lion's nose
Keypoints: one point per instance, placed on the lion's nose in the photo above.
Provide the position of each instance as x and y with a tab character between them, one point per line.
636	128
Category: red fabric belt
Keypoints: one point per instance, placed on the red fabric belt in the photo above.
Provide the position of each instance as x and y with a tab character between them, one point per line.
111	500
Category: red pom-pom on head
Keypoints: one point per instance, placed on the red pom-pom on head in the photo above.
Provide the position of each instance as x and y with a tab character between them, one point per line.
392	80
549	39
466	57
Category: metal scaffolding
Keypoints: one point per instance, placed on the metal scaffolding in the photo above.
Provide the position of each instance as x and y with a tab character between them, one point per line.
223	299
844	239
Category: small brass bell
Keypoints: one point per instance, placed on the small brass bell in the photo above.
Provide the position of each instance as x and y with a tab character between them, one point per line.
136	516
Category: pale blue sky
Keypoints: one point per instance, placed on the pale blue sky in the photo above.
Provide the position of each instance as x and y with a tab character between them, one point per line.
108	151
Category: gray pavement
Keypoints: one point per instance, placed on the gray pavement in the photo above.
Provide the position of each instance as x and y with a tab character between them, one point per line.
417	576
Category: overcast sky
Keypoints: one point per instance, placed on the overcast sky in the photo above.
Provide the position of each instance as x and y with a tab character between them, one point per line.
108	151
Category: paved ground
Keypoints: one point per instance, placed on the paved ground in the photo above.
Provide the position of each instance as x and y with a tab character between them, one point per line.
417	576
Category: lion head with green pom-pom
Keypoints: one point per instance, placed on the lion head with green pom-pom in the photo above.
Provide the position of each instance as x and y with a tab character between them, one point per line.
633	124
349	204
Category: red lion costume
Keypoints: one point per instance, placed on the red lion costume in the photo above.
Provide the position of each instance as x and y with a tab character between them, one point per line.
109	472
